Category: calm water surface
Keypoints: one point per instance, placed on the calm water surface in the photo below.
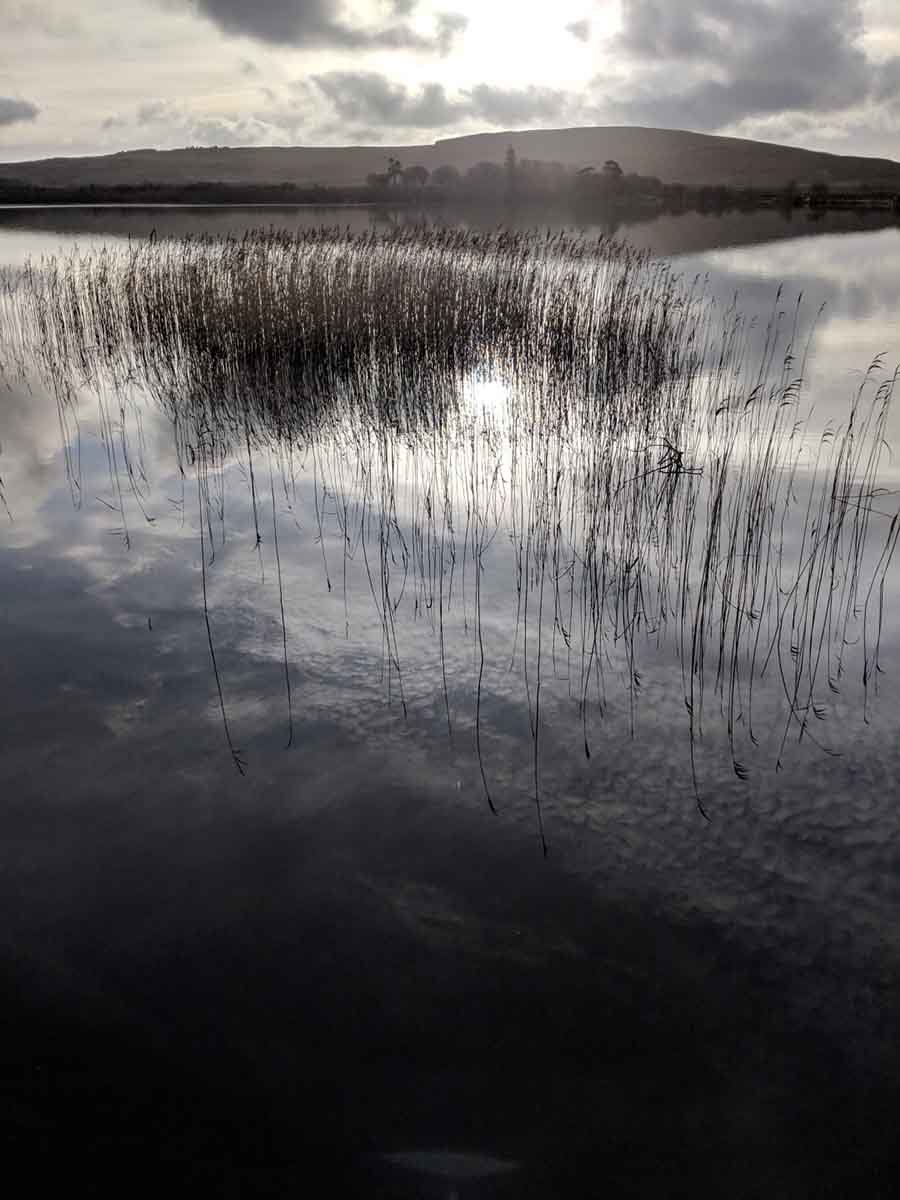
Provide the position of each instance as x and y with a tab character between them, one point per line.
342	953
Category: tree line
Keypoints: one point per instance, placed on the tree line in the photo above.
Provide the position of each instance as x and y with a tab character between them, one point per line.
515	181
608	186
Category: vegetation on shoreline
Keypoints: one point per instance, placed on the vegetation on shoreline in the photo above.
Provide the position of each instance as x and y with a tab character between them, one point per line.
18	192
515	183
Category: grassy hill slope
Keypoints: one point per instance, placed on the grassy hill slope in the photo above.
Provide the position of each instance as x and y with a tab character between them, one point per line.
679	156
672	155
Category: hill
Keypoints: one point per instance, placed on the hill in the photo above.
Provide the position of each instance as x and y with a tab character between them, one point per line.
675	155
672	155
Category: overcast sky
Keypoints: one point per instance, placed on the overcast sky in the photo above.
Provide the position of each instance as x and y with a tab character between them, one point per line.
91	76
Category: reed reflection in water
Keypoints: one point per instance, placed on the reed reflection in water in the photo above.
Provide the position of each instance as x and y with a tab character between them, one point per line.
646	453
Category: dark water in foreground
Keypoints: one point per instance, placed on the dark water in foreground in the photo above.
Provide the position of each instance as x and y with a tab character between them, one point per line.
342	954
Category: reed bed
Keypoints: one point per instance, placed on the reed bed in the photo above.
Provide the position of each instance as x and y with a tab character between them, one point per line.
645	454
391	324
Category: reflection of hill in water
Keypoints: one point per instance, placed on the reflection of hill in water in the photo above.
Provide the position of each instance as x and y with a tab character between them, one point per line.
660	233
541	436
695	232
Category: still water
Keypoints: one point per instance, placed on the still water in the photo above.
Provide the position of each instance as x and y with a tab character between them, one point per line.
339	954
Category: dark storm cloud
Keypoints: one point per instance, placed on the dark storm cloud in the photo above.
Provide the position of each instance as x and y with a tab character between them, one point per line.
580	29
12	110
660	30
739	58
325	23
368	96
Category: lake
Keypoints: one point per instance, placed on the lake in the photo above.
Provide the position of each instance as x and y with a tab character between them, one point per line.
414	789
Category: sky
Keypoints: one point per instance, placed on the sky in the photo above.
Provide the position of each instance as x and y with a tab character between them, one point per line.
91	77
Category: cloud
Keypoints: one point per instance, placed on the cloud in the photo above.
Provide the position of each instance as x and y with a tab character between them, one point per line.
737	59
238	130
28	16
656	30
325	23
172	122
364	106
152	112
580	29
364	96
367	95
12	110
501	106
450	26
887	85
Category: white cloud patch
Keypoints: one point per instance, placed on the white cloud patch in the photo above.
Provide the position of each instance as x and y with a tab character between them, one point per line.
26	16
169	123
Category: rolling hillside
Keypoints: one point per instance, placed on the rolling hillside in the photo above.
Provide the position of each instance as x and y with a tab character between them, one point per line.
679	156
672	155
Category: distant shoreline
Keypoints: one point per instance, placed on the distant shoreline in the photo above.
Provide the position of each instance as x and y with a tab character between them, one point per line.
282	204
717	201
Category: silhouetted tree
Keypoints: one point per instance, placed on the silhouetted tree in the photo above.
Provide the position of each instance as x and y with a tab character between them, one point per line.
394	171
539	176
818	194
416	175
788	196
675	195
446	176
585	183
511	169
486	177
613	179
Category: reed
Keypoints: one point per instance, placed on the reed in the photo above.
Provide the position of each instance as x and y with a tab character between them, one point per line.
645	455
